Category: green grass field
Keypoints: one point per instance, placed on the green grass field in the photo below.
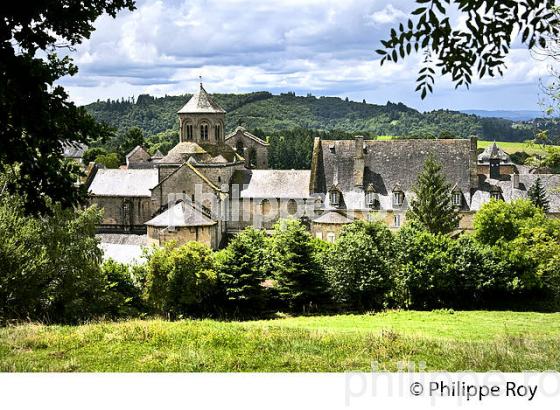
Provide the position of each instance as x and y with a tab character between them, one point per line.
452	341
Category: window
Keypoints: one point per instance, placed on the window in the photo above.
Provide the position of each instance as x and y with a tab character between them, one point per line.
398	198
457	198
217	132
331	237
495	195
189	131
334	197
371	199
397	220
292	207
204	132
319	235
239	147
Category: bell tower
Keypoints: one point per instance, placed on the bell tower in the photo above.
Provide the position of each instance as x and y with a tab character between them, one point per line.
201	120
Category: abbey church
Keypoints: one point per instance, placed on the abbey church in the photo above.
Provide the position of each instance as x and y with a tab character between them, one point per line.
211	185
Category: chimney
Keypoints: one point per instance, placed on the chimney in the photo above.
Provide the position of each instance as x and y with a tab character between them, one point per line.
359	161
515	181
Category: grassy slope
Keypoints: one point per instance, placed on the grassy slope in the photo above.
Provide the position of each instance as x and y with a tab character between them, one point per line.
461	341
511	147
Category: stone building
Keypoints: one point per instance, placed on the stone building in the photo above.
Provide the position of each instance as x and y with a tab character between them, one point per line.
211	185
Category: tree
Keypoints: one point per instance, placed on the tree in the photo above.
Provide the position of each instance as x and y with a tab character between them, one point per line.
359	268
477	48
131	138
36	116
538	196
499	221
180	280
92	153
241	271
432	207
293	264
110	160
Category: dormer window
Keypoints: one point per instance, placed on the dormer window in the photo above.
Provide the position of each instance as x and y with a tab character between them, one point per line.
456	198
334	197
204	132
398	197
372	200
495	193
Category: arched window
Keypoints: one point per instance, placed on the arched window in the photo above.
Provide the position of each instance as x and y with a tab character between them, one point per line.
252	158
189	132
217	133
204	132
292	207
265	207
239	147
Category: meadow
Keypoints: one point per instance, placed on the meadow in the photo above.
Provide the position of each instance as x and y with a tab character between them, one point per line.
443	340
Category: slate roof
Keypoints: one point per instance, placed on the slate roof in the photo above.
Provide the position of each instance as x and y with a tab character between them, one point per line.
138	153
494	152
73	149
201	103
210	153
332	217
181	215
270	183
551	183
124	182
157	155
386	165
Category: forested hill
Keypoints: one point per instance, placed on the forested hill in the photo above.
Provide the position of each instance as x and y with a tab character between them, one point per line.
272	113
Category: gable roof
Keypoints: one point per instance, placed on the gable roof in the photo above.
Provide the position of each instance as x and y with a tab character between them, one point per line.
124	182
72	149
332	217
493	152
180	215
138	153
270	183
201	103
245	133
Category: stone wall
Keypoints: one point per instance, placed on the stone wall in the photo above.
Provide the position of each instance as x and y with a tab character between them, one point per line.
123	213
203	234
239	139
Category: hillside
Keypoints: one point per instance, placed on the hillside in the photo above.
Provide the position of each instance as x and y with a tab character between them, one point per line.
272	113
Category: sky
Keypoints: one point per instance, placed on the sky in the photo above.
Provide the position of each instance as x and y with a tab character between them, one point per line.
322	47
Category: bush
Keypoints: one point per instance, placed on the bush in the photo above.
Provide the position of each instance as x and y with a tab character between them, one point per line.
49	266
92	153
241	271
292	262
360	266
122	291
180	280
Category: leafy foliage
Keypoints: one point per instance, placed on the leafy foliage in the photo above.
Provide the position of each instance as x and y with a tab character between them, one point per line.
35	114
432	207
180	280
477	48
360	268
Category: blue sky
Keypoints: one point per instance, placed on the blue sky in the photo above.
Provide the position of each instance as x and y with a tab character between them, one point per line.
323	47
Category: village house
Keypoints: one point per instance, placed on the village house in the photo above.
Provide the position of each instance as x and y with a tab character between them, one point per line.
211	185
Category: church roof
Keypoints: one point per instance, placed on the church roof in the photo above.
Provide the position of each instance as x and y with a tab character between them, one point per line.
201	103
202	153
493	152
242	130
124	182
180	215
271	183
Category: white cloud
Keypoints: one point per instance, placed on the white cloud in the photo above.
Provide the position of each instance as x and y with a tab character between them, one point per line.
320	46
387	15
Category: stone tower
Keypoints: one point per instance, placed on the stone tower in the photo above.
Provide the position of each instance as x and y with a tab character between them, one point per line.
201	120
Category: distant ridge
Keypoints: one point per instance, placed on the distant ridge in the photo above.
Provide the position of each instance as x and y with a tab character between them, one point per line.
513	115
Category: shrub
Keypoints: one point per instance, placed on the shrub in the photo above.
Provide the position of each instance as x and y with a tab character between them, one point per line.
359	267
122	292
180	280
